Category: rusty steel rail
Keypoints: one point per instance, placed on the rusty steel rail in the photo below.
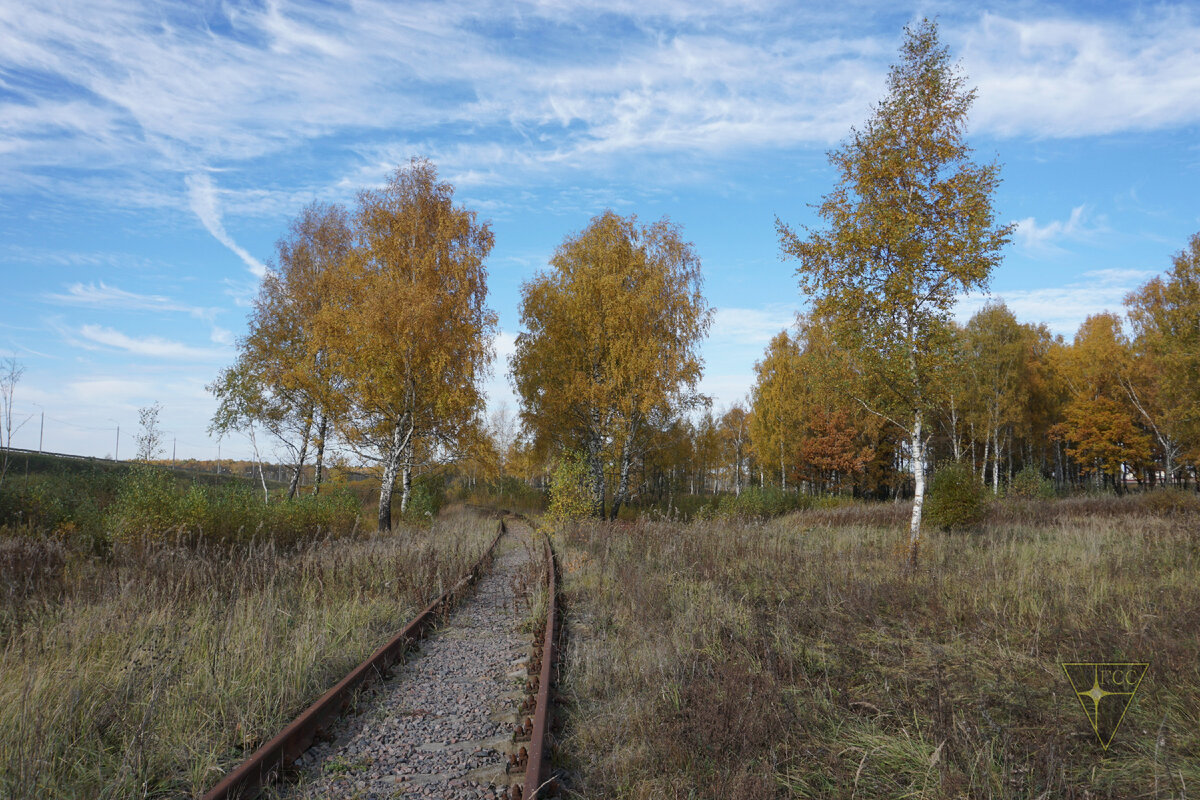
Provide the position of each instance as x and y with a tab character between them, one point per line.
272	759
537	767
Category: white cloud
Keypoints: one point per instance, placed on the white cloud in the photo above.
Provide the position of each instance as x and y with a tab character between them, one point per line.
108	391
101	295
202	194
152	346
540	85
1067	76
221	336
1064	308
750	326
1044	238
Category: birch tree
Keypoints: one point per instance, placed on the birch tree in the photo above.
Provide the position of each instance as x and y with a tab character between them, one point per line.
11	371
1165	316
910	225
282	380
1100	421
777	416
611	343
995	346
408	329
735	435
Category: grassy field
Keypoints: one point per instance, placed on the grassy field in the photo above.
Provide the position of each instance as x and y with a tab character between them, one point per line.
151	668
794	658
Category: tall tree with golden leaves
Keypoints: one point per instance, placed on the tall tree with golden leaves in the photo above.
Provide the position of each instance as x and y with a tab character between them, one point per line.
777	408
994	349
910	225
735	440
611	343
410	331
1100	422
282	380
1165	315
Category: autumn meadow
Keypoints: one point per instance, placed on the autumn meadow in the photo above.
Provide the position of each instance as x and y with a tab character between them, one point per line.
861	582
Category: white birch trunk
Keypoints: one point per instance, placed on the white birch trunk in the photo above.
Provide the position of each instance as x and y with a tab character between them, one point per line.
295	484
918	469
319	470
401	434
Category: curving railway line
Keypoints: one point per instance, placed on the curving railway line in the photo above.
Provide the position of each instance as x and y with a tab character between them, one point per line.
464	713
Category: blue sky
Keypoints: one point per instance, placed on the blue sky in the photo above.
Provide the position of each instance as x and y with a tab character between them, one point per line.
151	154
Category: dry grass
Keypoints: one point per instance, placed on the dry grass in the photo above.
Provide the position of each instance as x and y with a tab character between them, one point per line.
151	672
794	659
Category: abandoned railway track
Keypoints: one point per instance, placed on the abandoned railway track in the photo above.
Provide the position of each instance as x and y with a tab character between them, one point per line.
463	714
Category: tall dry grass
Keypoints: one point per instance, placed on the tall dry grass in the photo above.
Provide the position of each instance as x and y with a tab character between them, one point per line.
796	659
152	671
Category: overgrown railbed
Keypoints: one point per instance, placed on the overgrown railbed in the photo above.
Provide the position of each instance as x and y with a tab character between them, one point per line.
796	659
152	668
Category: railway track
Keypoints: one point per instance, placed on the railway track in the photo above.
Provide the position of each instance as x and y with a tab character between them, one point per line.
467	717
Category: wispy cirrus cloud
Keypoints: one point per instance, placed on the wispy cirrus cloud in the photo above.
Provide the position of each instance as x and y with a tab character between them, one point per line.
1064	308
1044	239
533	87
202	193
1063	75
95	337
754	327
101	295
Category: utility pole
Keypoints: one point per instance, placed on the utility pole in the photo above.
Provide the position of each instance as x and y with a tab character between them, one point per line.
173	452
117	449
41	431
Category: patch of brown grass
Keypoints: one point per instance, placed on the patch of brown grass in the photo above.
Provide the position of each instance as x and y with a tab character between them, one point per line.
151	672
796	658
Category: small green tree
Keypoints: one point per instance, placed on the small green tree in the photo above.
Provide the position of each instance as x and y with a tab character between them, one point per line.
910	227
957	498
570	490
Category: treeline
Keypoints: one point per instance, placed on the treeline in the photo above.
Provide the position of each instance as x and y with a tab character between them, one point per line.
1117	406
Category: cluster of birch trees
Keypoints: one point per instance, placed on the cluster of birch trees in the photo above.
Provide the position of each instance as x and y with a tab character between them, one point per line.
371	326
1117	405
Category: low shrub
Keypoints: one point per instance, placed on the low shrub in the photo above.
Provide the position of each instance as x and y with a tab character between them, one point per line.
569	496
426	497
152	506
1166	502
957	498
763	502
1030	484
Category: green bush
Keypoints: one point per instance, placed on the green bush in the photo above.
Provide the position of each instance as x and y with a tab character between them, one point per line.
1029	484
957	498
569	496
762	502
145	506
152	505
426	498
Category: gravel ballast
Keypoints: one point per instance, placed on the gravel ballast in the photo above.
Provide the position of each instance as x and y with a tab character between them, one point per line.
441	725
